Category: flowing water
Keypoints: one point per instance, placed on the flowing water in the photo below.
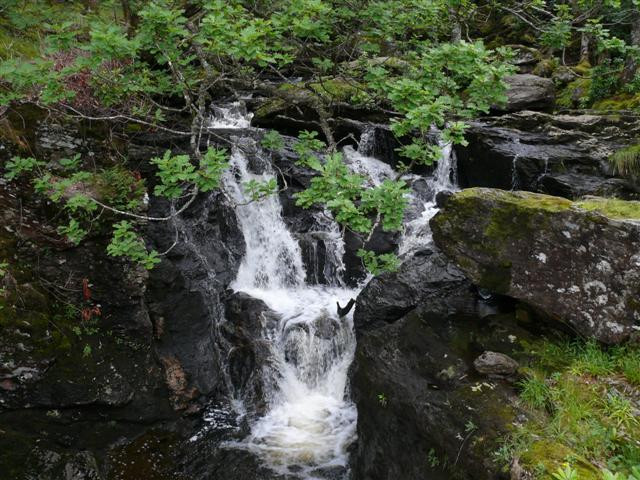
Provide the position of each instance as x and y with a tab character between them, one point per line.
309	421
417	232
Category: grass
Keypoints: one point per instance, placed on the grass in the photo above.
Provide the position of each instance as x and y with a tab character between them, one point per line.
626	162
584	410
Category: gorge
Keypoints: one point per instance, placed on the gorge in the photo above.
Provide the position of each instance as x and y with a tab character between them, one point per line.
318	240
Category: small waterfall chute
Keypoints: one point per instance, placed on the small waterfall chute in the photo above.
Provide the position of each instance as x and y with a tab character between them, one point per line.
309	421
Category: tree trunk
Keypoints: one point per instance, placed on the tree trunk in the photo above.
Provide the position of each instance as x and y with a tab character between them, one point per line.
456	28
631	64
585	44
130	18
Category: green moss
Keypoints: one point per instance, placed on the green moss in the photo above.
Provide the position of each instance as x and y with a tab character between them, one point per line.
13	44
526	200
626	162
331	89
575	94
334	89
546	456
624	101
582	68
546	67
270	107
612	208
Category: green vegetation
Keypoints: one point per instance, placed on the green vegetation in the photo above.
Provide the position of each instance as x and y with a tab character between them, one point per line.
583	405
626	162
158	64
613	208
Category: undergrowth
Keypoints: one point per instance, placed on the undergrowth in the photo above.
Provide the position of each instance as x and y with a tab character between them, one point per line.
626	162
584	411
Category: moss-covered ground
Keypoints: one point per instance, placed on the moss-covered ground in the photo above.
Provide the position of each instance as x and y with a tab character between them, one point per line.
584	403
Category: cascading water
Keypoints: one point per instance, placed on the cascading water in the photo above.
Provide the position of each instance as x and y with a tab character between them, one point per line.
309	421
371	168
417	232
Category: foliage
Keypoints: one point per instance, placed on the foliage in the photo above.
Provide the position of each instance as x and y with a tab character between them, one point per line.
605	79
85	195
259	190
577	394
626	162
18	165
378	264
566	473
175	55
125	243
74	233
175	172
272	140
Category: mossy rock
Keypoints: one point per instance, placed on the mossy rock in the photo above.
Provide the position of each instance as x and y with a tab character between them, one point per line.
546	457
575	94
546	67
612	208
541	249
327	90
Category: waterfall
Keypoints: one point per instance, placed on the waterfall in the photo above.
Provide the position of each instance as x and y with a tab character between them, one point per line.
417	232
422	204
374	170
309	421
514	173
233	115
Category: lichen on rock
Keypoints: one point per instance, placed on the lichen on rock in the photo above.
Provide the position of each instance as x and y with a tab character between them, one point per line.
577	262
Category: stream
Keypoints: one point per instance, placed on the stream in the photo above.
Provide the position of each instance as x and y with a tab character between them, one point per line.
310	420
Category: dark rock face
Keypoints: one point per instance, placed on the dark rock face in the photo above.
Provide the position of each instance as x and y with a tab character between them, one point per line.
568	260
184	293
427	277
423	412
246	318
576	185
563	155
528	92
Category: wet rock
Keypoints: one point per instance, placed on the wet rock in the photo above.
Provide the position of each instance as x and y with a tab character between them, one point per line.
426	277
185	291
563	75
380	242
248	321
576	262
442	198
525	58
423	412
495	364
528	92
529	150
576	185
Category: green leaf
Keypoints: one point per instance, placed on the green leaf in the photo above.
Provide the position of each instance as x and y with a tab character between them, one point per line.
126	243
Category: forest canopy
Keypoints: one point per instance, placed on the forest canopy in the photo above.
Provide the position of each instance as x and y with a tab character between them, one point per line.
162	64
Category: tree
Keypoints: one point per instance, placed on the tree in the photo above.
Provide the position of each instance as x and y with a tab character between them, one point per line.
164	65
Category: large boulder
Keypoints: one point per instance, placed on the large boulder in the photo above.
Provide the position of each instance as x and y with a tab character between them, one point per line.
427	276
577	262
563	155
423	410
528	92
